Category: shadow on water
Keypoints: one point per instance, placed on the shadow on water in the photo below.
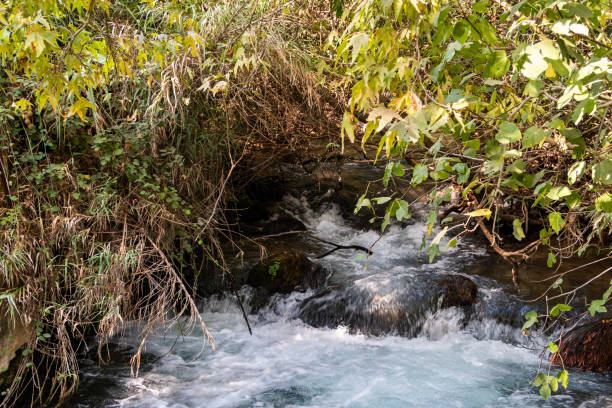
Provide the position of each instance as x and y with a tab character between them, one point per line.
378	334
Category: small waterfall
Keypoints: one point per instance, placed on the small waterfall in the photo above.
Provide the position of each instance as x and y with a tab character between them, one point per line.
389	331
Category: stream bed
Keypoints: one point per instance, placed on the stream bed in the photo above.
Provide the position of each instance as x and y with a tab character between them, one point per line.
448	357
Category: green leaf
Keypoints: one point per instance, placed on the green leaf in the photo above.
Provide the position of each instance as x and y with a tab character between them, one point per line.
533	88
572	200
419	174
552	381
472	144
551	260
481	7
531	318
563	377
597	306
575	172
540	379
553	348
579	10
545	391
557	193
559	308
463	177
493	150
508	133
533	136
493	82
347	128
398	170
585	107
362	202
518	232
386	222
517	167
395	168
498	64
381	200
607	293
336	5
433	251
403	210
461	31
556	221
602	172
559	66
604	203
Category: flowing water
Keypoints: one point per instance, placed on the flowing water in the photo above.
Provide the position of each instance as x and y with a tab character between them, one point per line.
453	357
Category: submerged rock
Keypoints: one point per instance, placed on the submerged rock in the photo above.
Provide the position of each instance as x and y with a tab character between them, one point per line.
588	347
387	304
285	271
456	290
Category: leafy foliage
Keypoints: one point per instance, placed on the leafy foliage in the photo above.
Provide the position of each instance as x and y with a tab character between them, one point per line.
507	104
123	126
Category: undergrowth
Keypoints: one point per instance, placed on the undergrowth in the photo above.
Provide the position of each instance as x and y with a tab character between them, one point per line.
111	184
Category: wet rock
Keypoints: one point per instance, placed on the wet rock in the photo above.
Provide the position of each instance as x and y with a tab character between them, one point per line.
284	272
456	290
259	299
386	304
588	347
13	338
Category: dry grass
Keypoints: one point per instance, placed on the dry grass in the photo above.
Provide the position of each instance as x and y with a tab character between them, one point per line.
95	237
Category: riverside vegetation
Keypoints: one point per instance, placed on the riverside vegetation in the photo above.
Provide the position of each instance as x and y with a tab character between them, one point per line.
129	130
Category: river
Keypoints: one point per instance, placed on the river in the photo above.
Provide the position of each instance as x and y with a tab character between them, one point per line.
453	357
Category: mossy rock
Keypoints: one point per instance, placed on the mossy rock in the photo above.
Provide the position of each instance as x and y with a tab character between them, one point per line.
587	347
283	272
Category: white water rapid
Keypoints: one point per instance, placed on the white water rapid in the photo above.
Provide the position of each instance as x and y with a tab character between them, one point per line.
457	357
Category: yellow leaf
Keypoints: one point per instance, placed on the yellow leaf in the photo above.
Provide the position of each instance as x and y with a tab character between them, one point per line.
483	212
347	127
80	108
23	104
550	71
459	105
42	100
440	96
384	116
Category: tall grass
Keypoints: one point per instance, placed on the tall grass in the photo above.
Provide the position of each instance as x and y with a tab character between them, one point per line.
102	213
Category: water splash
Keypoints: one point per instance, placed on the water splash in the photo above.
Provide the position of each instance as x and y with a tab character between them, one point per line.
436	357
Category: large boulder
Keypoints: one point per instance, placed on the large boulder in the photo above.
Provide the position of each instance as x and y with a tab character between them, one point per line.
384	303
587	347
285	271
